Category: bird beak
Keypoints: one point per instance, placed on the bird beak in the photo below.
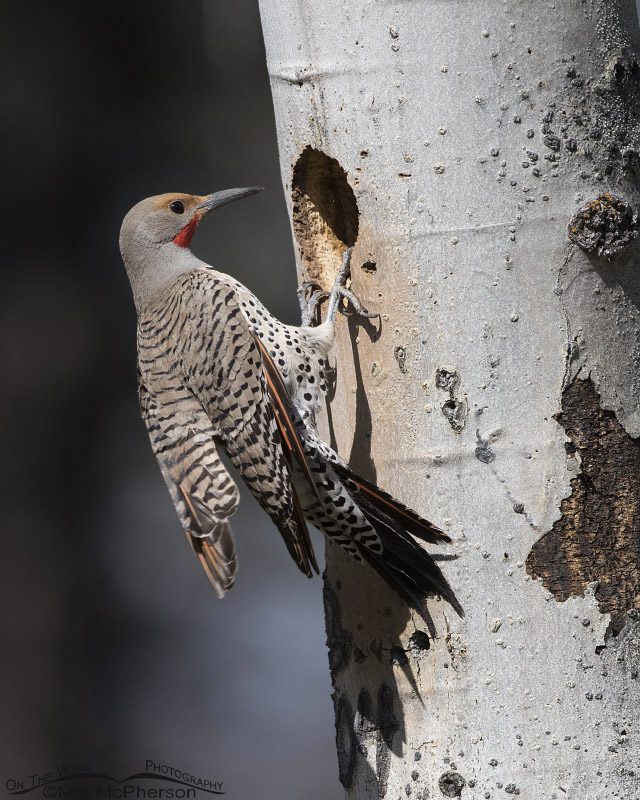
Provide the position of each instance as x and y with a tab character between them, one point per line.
219	199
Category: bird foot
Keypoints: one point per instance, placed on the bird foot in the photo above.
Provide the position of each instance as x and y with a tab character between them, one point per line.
310	296
339	292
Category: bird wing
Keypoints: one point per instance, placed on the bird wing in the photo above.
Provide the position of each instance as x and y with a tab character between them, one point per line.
281	405
232	388
202	490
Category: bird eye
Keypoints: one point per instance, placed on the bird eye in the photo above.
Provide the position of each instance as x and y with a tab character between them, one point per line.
177	207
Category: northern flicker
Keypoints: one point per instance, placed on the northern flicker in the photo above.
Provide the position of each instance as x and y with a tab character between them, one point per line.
218	371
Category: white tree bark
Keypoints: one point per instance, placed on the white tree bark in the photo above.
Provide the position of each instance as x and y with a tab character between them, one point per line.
453	142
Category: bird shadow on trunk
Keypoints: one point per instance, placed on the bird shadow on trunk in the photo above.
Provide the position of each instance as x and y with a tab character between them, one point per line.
365	620
360	459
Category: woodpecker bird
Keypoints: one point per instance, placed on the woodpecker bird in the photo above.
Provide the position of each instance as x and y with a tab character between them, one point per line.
218	371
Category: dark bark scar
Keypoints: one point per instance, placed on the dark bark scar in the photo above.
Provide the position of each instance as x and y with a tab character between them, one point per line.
597	538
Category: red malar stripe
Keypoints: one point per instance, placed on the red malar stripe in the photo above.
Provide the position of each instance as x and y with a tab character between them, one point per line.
183	239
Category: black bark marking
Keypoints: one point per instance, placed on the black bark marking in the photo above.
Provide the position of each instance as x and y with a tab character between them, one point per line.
398	657
358	655
346	742
447	379
339	640
400	355
364	724
454	409
419	643
598	536
624	72
369	266
451	784
483	452
354	733
604	226
387	725
375	648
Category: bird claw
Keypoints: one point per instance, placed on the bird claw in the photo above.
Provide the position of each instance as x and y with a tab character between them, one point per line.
310	303
358	309
302	289
339	292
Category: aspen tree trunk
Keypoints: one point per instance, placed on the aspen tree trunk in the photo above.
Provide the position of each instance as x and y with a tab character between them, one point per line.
483	159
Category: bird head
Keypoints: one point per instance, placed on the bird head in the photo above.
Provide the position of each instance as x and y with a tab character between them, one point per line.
173	217
158	230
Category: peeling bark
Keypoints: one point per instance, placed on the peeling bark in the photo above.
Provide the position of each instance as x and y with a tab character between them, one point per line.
597	538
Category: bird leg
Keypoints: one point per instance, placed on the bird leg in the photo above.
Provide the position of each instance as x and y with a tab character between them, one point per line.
339	292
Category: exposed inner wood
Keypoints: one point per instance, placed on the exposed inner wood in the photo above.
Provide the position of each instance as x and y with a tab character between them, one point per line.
325	214
598	536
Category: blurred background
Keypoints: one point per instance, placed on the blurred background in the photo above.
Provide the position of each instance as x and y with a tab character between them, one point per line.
115	648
